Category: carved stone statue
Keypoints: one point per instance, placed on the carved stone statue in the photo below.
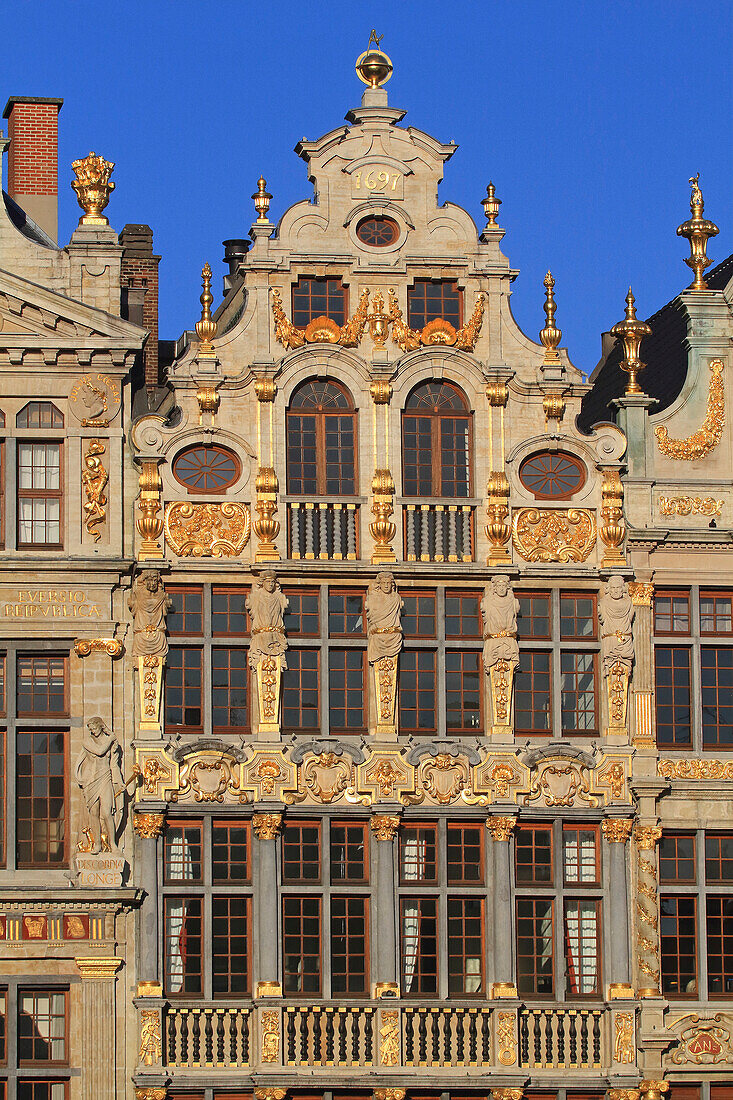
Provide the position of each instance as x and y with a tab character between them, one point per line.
499	611
97	771
383	612
149	605
616	612
267	605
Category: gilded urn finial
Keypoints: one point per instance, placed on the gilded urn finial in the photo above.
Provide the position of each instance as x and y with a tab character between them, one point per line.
262	199
632	331
206	327
374	68
550	335
491	205
93	187
698	231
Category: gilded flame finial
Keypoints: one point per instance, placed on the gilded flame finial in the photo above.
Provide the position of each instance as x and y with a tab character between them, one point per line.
206	327
550	335
374	68
491	205
698	230
632	331
262	199
93	187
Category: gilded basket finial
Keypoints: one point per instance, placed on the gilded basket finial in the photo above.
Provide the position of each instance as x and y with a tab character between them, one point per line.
632	331
93	187
206	327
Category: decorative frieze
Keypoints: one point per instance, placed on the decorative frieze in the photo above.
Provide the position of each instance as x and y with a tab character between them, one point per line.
554	534
206	530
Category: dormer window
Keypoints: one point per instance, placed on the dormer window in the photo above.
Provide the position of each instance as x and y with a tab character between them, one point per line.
316	297
434	299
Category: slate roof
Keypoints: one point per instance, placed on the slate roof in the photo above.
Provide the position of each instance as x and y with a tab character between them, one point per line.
663	352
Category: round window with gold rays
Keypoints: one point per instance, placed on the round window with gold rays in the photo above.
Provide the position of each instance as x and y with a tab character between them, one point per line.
552	475
206	468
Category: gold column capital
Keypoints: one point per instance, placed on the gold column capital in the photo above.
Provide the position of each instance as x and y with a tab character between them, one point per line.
158	1092
389	1094
641	593
267	826
617	830
653	1090
149	826
501	828
507	1094
624	1094
384	826
270	1092
94	966
646	836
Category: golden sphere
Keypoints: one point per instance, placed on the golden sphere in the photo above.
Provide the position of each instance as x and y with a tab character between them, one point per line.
374	68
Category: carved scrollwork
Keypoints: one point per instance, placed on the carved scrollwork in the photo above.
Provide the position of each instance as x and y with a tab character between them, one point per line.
708	435
207	530
207	776
554	534
561	783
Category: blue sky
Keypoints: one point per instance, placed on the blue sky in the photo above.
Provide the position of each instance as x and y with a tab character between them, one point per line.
589	117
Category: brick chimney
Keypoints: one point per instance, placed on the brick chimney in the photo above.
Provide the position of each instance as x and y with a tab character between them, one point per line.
139	283
33	159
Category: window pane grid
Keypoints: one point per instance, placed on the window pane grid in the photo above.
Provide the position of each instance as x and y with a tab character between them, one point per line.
301	706
417	691
184	688
302	945
318	297
678	937
672	696
183	941
578	693
40	798
347	703
41	686
349	945
535	953
465	946
41	1026
532	692
230	924
419	939
433	299
229	679
717	696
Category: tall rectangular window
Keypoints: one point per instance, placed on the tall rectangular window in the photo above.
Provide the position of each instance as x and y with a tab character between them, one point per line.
42	1026
558	872
207	929
39	495
672	682
349	945
301	695
442	902
678	939
40	770
302	945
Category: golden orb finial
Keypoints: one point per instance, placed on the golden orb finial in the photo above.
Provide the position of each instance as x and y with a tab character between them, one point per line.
491	205
631	331
206	327
262	199
374	68
550	335
698	231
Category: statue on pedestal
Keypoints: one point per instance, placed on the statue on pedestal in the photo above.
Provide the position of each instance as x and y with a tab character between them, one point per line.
97	772
267	606
616	612
499	610
149	605
384	642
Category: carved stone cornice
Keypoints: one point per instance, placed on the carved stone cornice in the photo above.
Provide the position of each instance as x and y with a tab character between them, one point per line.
93	966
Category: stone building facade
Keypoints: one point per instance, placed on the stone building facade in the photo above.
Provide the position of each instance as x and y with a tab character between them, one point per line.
412	651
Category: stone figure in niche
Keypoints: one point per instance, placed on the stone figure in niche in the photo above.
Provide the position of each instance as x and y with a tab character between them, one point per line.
98	772
616	612
149	605
383	613
499	610
267	606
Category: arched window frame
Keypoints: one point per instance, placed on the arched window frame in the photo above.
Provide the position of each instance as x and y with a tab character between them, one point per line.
440	427
319	430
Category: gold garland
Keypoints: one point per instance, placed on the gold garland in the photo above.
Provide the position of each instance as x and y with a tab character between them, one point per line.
707	437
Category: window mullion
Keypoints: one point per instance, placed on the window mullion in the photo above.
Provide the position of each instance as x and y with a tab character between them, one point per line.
208	927
555	673
440	717
561	984
326	991
207	690
695	672
442	901
702	911
11	493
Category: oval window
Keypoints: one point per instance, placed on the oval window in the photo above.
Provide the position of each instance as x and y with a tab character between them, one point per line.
552	475
206	469
378	232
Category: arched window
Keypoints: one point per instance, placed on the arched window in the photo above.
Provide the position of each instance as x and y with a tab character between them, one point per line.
436	442
321	435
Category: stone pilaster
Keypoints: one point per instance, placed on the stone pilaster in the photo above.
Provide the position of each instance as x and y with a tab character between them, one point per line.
616	833
267	826
384	826
148	827
98	1025
501	828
